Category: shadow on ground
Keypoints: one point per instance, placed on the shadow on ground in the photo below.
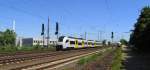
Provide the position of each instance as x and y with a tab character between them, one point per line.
135	61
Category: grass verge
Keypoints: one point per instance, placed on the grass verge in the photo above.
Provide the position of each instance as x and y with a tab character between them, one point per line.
116	64
94	57
14	49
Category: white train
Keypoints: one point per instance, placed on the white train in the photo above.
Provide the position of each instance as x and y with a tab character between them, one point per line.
65	42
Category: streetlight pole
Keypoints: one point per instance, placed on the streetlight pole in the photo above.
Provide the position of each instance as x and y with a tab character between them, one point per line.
48	33
85	35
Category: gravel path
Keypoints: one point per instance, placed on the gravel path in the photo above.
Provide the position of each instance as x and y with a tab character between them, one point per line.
135	61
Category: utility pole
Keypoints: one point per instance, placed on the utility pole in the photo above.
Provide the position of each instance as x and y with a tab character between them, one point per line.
14	24
98	35
101	32
48	33
85	35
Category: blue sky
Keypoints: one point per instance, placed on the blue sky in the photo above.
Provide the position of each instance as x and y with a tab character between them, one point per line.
75	16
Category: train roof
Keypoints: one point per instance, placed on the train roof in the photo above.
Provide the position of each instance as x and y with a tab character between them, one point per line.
90	40
72	37
98	41
75	38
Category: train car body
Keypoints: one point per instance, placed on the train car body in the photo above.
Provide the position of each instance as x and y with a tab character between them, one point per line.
98	43
65	42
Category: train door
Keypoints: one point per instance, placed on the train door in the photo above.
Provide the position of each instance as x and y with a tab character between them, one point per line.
67	44
76	43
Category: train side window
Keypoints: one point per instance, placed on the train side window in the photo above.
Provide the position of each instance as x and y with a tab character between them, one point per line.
67	41
85	43
88	43
72	42
79	44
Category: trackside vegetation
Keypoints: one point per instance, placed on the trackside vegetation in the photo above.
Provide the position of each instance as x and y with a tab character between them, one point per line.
7	44
85	60
14	49
112	58
116	63
93	57
7	38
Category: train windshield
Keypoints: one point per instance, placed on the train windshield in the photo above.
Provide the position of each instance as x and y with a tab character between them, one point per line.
61	38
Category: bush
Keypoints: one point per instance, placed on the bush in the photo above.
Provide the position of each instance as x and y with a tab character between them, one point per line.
8	49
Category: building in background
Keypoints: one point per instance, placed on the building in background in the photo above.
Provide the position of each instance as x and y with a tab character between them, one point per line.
20	41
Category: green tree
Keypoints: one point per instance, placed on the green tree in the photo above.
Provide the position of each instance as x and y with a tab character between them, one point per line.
1	39
7	37
123	41
140	35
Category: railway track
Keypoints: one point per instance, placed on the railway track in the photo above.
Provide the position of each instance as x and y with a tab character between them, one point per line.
26	60
8	59
54	65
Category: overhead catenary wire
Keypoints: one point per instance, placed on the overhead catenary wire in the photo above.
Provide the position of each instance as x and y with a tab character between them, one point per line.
110	18
21	10
82	28
110	12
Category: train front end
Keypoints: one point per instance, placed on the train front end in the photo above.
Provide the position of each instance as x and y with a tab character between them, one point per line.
59	45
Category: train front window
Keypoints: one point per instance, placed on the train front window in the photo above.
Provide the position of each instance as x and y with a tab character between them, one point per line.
61	39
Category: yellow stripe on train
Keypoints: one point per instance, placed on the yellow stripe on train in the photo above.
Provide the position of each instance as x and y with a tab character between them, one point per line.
91	44
95	44
76	43
83	44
